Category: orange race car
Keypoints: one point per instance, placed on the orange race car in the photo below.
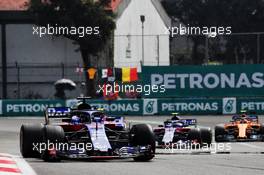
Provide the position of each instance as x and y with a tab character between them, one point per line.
242	127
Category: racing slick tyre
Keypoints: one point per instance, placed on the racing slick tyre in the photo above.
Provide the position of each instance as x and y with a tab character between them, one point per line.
31	136
262	132
142	135
219	131
53	136
195	135
206	136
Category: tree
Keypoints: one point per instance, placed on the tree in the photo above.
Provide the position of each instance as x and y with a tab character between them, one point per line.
242	15
77	14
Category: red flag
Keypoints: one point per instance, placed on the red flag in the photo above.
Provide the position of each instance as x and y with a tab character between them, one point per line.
133	74
110	72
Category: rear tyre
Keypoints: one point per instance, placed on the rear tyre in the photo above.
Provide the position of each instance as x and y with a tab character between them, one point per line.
219	133
54	135
31	136
142	135
206	136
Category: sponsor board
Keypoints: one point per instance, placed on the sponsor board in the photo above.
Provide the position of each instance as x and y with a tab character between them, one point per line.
71	103
206	81
120	107
150	106
229	105
189	106
28	107
253	105
153	106
116	107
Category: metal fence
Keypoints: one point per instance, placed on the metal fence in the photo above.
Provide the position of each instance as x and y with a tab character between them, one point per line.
35	81
237	48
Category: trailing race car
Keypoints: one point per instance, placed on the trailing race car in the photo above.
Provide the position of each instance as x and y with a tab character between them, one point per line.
182	131
243	127
85	133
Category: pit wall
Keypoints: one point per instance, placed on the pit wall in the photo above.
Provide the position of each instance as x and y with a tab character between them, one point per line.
150	106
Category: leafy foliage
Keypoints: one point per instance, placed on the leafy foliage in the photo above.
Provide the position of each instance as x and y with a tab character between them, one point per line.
76	13
242	15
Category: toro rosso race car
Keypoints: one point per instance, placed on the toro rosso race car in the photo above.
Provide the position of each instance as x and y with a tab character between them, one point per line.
178	131
242	127
85	133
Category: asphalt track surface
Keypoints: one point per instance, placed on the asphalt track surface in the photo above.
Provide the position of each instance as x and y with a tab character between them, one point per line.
243	158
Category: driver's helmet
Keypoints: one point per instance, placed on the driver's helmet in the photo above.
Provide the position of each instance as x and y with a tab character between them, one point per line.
177	125
235	117
175	116
83	106
75	119
243	116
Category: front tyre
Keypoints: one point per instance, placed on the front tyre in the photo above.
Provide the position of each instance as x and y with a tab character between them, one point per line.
206	136
219	133
262	132
142	135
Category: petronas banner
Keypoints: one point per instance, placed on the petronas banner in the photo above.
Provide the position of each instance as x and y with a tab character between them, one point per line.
204	81
114	107
139	107
182	106
194	106
28	107
254	105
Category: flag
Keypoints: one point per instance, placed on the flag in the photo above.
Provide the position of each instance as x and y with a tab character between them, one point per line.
133	74
91	73
110	72
126	74
79	70
118	74
129	74
110	75
104	73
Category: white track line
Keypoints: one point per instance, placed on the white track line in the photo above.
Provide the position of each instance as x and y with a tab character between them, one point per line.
145	121
9	173
252	146
8	165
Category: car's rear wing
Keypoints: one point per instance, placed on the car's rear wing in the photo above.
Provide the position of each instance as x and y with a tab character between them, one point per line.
57	112
253	117
188	122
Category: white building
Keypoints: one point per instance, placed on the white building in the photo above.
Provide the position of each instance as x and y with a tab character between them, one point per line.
128	34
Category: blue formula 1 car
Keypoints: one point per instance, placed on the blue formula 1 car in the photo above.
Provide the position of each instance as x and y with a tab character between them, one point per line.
85	133
178	130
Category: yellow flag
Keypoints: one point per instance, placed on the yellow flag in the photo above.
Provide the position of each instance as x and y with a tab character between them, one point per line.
126	74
